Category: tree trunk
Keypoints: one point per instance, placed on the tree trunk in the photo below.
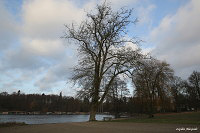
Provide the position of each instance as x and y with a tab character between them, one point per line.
151	108
93	112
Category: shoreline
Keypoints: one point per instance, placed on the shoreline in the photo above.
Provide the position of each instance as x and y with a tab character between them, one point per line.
51	113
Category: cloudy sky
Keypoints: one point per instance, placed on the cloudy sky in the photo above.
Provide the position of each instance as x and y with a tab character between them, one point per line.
34	59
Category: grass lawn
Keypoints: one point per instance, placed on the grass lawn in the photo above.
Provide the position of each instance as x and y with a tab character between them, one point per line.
176	118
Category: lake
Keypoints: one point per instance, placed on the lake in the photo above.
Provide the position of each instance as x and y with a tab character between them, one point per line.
42	119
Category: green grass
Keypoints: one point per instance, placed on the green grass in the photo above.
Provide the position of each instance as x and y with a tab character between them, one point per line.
177	118
9	124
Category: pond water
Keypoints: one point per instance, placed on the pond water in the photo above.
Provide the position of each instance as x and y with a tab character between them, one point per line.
42	119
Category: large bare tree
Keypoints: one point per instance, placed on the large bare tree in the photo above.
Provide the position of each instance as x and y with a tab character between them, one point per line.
103	56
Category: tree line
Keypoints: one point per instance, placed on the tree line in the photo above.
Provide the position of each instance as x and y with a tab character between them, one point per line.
41	103
175	95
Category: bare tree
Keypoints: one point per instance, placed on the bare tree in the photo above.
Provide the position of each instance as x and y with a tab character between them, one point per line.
193	89
151	81
194	82
101	41
119	89
179	92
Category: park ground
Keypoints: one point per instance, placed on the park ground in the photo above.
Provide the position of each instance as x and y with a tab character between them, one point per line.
169	118
161	123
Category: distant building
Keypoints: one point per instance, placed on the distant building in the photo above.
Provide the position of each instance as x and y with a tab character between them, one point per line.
4	113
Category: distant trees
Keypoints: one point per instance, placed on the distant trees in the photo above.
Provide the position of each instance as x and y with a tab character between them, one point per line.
42	103
118	94
186	92
101	41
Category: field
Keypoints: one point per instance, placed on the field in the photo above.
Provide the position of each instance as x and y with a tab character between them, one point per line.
172	118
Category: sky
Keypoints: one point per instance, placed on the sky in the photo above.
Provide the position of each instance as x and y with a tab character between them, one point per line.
34	59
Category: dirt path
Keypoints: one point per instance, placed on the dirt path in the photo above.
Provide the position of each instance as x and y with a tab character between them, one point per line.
100	127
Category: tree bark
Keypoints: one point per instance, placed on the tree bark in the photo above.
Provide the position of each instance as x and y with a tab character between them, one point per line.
93	112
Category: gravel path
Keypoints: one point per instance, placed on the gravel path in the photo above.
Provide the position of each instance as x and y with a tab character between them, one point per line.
101	127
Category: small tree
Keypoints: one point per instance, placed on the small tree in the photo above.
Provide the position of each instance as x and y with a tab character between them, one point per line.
101	41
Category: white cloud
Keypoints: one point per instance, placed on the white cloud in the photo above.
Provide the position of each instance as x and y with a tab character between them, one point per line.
46	18
44	47
177	39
